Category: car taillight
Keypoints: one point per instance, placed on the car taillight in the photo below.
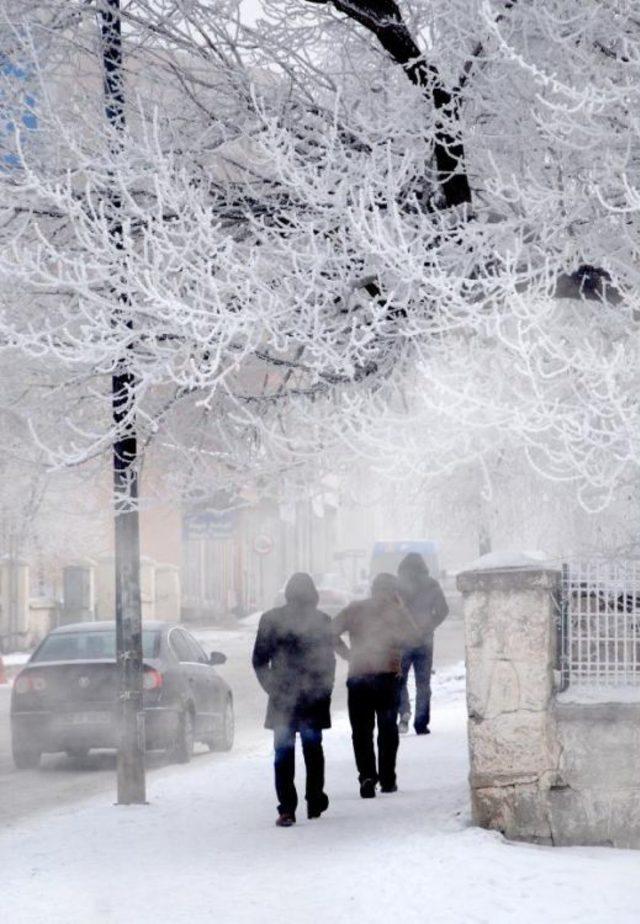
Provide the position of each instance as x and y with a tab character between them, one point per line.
28	683
152	679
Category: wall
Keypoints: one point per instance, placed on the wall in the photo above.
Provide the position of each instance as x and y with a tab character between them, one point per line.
543	766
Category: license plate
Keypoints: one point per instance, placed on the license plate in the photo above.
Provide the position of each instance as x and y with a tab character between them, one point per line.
87	718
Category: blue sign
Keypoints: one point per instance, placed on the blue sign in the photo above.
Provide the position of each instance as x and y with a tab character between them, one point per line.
209	524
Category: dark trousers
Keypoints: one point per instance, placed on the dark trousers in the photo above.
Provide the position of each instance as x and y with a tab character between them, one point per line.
421	659
284	742
371	698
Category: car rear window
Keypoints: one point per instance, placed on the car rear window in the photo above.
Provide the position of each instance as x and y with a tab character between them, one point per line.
90	646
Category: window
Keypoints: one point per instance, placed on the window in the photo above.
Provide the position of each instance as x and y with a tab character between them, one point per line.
17	111
197	653
96	645
180	645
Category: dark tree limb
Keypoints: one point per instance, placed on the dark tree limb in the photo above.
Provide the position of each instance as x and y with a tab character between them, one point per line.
384	20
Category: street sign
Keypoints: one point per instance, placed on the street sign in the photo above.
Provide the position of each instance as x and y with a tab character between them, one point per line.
263	544
209	524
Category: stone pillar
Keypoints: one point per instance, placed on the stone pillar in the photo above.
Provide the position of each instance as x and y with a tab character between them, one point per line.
510	639
79	593
14	603
168	593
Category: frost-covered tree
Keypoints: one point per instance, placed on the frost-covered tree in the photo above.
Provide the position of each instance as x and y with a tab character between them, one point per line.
349	191
401	220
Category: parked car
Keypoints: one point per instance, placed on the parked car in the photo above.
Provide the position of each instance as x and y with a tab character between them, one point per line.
65	698
332	592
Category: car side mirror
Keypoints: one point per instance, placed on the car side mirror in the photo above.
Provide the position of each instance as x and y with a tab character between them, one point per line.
216	657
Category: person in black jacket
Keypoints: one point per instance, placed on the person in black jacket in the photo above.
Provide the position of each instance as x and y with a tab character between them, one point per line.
423	597
294	661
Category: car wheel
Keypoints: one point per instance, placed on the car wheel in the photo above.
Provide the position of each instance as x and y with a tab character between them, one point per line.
26	756
77	753
224	740
185	739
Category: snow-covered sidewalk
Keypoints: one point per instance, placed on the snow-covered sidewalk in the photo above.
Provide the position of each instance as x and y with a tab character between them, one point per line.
206	849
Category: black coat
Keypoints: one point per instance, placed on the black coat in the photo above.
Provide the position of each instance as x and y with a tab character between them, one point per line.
294	660
422	595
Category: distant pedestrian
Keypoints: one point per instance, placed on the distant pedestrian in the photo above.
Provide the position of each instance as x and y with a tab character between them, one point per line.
294	660
426	602
379	629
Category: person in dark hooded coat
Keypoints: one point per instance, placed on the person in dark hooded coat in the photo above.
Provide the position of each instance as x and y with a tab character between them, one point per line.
294	661
426	602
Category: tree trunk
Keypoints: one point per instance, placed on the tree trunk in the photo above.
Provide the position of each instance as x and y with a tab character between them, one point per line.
131	774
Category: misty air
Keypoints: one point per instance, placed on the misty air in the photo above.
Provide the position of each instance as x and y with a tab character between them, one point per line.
320	484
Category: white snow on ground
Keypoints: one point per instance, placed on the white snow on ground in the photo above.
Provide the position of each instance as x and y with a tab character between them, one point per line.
206	849
16	658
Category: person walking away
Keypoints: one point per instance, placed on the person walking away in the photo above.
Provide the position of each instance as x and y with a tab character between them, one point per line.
379	629
294	660
426	602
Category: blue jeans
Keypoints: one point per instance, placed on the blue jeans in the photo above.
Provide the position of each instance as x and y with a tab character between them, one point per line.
284	743
421	659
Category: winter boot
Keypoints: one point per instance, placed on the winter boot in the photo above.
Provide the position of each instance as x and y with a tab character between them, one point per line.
285	820
315	808
390	787
403	724
368	789
422	730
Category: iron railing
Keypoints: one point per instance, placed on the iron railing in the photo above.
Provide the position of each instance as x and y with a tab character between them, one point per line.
600	624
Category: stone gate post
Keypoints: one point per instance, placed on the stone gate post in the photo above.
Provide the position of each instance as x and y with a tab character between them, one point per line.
510	640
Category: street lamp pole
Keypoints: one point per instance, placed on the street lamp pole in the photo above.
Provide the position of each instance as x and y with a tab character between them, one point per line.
130	769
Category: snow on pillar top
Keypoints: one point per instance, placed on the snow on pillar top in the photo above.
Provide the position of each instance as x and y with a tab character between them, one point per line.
511	567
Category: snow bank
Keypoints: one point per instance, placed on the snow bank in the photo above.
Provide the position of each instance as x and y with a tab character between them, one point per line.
16	658
251	621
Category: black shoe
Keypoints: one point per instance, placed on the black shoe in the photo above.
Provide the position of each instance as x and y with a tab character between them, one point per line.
368	789
285	820
423	731
316	808
393	787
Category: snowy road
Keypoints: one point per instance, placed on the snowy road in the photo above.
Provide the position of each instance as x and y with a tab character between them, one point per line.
206	849
61	781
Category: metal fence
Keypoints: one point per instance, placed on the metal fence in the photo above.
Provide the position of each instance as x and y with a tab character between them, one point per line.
600	624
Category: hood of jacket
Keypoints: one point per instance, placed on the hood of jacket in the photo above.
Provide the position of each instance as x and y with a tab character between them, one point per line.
413	566
385	587
301	590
